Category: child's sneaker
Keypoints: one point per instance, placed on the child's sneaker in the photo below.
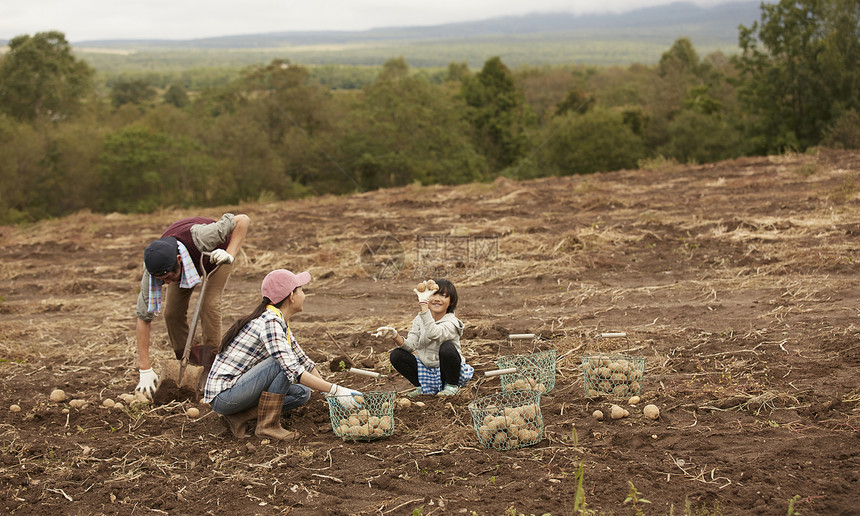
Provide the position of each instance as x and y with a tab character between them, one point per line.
415	392
449	390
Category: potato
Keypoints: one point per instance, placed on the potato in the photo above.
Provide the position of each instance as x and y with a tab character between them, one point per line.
634	387
77	403
193	412
118	406
373	421
604	386
619	391
617	412
58	395
386	423
651	411
354	420
634	400
359	399
431	285
598	415
363	415
108	403
404	402
604	372
14	408
343	430
617	378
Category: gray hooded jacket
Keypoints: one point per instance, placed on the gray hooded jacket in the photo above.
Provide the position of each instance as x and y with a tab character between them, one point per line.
427	335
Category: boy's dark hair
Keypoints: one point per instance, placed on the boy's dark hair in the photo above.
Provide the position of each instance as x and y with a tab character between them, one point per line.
446	288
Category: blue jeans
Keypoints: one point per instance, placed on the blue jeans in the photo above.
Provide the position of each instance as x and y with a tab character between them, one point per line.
265	376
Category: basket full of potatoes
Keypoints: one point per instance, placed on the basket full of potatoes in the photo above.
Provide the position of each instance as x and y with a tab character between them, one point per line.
508	420
619	376
372	419
535	371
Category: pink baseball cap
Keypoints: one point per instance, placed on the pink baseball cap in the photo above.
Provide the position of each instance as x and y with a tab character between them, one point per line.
280	283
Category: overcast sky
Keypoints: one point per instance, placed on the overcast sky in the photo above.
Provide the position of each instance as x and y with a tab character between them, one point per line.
83	20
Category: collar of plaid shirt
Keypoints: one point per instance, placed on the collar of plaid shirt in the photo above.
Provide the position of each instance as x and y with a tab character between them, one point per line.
190	279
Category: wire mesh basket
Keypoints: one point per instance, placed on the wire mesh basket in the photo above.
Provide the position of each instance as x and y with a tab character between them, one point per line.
372	419
616	375
507	420
535	371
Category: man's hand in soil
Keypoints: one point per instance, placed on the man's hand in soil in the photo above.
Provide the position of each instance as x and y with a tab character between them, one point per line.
148	382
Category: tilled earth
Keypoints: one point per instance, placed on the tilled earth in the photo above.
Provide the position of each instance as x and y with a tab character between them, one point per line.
735	282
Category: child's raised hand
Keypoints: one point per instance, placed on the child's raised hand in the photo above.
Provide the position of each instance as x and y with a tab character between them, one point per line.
425	289
386	332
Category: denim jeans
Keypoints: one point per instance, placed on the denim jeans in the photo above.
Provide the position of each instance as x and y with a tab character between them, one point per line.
265	376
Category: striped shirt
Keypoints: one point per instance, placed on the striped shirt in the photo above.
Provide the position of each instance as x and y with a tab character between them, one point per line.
267	335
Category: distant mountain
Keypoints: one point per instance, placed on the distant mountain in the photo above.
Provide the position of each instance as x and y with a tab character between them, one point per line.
714	23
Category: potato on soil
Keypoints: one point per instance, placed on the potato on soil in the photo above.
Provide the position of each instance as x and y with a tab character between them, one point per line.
193	412
598	415
617	412
108	403
404	402
77	403
14	408
651	411
58	395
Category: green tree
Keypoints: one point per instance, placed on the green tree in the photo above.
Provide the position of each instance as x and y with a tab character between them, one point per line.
597	141
132	91
800	71
405	129
41	79
696	137
176	96
141	170
498	114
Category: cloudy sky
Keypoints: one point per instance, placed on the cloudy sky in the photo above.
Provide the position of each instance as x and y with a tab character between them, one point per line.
83	20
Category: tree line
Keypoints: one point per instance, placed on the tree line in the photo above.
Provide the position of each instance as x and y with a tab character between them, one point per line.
273	132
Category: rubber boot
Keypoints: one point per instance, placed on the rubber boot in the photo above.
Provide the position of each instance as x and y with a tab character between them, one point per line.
238	422
269	417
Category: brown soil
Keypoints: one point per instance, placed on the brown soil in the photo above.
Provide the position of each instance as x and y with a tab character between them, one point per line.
735	281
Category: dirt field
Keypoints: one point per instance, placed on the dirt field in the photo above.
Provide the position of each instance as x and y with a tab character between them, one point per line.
736	282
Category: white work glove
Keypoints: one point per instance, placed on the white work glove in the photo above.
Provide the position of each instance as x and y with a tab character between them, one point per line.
425	289
219	256
344	397
386	332
148	382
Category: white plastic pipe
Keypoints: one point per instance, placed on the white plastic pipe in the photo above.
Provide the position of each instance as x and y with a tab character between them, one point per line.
498	372
372	374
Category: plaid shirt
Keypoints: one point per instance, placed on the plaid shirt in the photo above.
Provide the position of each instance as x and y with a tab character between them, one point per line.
267	335
189	279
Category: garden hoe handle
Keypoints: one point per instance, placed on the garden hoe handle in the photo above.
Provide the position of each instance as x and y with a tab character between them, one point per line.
193	326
